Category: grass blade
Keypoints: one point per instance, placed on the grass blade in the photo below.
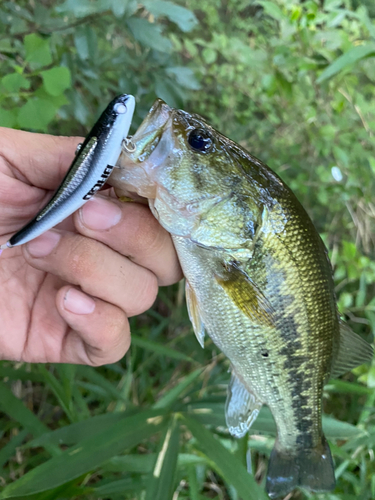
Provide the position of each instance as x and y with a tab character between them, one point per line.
161	484
86	455
14	408
350	57
158	348
9	449
171	396
226	464
119	487
73	433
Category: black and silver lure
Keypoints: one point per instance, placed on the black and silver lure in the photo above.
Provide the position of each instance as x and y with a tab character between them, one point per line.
94	162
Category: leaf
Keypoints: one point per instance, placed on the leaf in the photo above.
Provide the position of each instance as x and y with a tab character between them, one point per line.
56	80
14	82
172	395
346	60
227	464
86	42
272	10
81	43
161	482
86	455
73	433
335	429
158	348
169	92
36	114
15	409
109	389
119	7
149	35
209	55
142	464
8	117
79	8
184	18
184	77
119	487
9	449
37	49
58	391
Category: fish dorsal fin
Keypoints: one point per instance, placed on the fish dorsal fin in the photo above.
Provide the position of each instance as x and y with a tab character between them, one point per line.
246	295
241	407
194	314
353	351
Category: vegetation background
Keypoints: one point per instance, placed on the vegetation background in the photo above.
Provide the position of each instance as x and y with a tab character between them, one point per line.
294	82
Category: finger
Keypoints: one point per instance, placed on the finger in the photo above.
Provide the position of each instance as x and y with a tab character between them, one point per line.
96	268
131	229
99	332
39	159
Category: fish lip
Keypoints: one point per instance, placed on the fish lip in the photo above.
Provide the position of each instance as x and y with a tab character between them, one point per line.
149	132
155	120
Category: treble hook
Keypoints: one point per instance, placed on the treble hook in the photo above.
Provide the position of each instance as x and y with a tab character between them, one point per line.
128	144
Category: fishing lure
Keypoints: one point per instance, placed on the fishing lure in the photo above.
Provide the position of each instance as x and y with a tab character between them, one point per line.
94	162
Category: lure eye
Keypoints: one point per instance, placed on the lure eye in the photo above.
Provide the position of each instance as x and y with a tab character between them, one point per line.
120	108
200	140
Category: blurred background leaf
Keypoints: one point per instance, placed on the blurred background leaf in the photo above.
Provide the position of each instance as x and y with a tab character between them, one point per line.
294	82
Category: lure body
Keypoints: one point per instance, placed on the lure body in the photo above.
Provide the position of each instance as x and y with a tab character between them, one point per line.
89	171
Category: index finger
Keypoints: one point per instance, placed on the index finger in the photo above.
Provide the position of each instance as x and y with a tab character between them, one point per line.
41	160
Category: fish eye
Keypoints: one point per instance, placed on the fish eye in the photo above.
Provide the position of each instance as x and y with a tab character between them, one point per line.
200	140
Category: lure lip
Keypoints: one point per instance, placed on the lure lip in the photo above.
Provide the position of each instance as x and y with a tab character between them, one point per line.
88	172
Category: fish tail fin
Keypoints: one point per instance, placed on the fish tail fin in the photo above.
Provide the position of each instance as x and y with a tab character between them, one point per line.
311	469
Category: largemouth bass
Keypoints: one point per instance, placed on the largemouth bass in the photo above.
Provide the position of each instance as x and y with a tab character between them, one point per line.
258	281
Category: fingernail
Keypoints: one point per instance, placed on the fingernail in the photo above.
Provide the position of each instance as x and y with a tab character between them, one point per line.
78	303
100	214
44	244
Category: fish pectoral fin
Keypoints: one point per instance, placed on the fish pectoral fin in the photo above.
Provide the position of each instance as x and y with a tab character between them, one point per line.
353	351
241	407
246	295
194	314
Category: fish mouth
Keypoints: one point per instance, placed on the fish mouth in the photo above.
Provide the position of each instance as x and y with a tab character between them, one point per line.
149	132
140	154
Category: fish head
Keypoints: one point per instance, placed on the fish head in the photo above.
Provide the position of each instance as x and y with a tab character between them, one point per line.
182	165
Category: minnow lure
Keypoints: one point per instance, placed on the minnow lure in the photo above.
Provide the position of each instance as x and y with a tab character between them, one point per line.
94	162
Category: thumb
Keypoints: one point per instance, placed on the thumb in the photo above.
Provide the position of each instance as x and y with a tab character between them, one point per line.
40	160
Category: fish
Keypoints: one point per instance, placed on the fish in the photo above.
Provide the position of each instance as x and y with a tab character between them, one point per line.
94	161
258	282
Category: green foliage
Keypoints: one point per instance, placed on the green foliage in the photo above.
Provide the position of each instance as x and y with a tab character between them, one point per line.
70	57
291	80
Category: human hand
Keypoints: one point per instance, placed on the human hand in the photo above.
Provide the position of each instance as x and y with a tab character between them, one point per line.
66	296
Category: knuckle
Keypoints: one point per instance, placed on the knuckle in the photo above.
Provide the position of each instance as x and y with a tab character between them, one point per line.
114	342
148	236
81	258
145	295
